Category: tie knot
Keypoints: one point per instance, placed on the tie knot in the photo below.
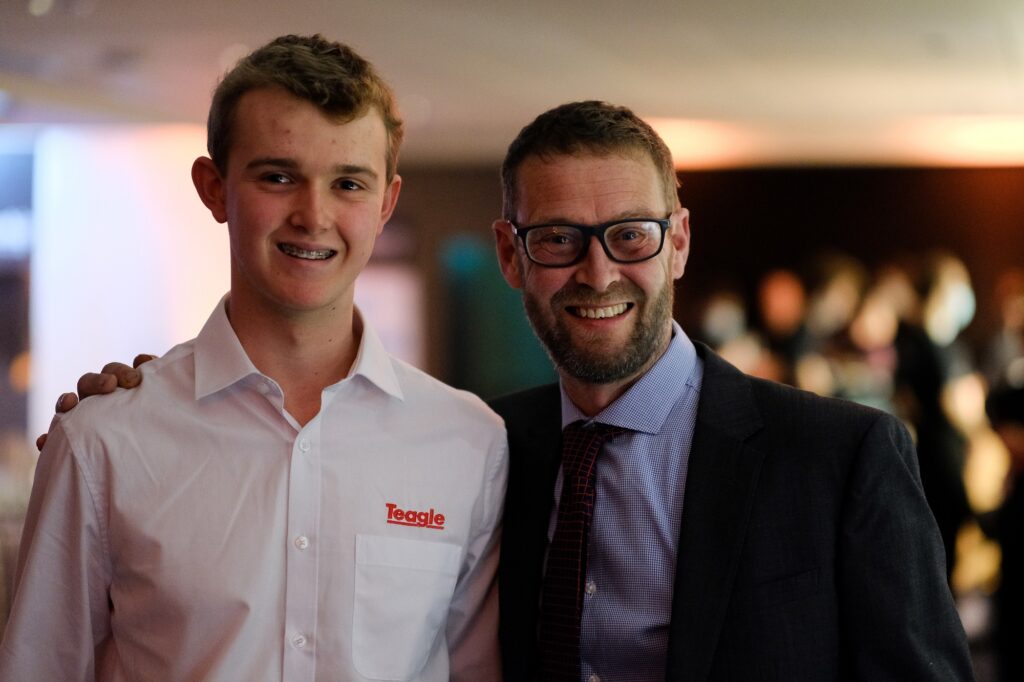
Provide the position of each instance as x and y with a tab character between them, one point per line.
592	430
581	441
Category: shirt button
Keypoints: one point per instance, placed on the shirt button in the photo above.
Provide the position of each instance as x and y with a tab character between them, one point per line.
298	641
302	542
304	445
591	588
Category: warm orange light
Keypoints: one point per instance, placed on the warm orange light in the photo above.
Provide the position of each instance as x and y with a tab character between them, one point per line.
703	144
924	141
967	140
18	372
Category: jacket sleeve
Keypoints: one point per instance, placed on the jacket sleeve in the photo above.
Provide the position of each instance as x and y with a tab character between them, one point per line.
898	616
60	612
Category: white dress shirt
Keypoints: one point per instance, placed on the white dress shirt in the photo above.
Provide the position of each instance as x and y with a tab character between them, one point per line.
192	529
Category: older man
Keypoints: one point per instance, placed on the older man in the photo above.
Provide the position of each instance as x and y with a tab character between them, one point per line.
667	516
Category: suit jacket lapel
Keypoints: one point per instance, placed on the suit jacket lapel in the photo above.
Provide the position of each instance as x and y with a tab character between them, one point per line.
722	476
533	419
543	440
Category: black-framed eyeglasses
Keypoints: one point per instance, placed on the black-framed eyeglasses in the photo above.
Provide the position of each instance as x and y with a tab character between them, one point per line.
559	245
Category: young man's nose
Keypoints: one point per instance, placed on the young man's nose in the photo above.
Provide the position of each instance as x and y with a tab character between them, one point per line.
310	211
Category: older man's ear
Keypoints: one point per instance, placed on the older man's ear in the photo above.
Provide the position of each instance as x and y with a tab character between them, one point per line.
509	258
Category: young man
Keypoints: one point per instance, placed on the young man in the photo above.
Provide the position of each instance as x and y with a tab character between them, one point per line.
729	528
280	499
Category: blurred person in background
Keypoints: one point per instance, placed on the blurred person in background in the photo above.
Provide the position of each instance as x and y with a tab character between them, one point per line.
1005	409
868	378
782	309
929	355
1004	352
723	326
836	284
835	287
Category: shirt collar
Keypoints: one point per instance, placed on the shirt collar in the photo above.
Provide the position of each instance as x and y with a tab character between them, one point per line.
373	362
646	404
222	362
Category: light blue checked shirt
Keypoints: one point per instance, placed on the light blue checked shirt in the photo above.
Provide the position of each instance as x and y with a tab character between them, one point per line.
634	535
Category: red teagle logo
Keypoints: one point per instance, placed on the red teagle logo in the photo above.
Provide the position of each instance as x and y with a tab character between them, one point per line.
411	517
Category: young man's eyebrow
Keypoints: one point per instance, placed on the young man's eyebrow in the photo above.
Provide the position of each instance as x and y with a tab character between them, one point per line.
272	161
355	169
291	164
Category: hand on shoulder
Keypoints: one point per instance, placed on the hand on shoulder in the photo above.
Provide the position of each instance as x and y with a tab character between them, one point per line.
113	375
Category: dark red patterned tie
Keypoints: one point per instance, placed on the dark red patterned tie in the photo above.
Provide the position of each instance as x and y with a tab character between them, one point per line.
562	599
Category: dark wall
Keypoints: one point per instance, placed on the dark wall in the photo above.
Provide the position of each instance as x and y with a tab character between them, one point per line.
436	205
746	222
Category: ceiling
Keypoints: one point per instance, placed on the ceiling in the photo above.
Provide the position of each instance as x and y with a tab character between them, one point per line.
741	82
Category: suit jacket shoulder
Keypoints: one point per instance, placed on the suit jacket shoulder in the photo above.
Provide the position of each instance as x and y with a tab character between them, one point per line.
806	547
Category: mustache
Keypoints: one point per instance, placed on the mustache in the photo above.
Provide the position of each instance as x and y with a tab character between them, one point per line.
574	293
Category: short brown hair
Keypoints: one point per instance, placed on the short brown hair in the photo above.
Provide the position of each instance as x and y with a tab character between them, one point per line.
589	127
330	75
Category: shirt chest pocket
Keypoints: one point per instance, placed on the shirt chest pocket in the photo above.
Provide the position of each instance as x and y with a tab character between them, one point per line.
402	592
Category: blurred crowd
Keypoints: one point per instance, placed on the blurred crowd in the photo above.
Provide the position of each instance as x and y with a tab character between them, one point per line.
893	338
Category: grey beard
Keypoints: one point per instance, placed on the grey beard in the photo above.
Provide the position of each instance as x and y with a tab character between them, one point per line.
589	367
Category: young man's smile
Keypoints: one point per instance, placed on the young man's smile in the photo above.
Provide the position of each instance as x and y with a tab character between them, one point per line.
305	253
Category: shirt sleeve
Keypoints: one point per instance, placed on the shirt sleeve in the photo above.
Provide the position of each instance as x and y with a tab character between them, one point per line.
898	616
60	613
472	630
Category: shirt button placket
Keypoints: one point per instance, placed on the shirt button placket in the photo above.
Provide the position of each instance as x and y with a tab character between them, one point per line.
301	564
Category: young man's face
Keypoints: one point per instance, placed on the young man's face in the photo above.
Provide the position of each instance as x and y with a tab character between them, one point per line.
602	321
304	198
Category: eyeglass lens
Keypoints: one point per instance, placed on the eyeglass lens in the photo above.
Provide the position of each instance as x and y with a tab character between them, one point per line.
626	242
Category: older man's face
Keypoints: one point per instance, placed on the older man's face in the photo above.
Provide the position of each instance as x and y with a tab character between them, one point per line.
601	321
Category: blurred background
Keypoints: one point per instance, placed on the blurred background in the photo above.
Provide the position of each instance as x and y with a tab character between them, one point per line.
855	173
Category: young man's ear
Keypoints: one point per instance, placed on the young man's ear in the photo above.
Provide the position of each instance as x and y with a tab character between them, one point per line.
508	256
210	187
391	193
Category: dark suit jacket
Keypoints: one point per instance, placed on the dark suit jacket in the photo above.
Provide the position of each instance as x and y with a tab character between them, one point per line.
806	552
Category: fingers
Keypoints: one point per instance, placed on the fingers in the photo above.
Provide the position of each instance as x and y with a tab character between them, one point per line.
65	402
96	384
113	375
142	358
127	377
